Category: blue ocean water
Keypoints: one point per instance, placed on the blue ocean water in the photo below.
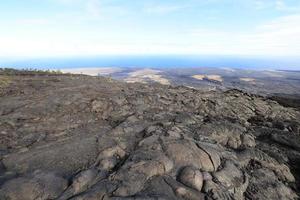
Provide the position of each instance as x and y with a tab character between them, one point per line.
155	61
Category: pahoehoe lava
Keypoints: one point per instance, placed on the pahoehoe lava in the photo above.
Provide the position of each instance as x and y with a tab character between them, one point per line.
88	138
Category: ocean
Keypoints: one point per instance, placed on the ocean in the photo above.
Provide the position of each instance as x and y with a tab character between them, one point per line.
155	61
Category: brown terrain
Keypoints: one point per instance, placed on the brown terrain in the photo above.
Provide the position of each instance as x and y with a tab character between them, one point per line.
78	137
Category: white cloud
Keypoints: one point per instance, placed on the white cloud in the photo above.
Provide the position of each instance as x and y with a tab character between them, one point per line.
68	1
94	8
279	5
282	6
259	4
163	9
278	37
281	35
91	7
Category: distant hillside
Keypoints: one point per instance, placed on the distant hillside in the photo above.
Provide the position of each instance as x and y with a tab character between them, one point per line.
265	83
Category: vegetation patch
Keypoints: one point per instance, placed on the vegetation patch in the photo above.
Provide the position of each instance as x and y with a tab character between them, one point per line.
4	81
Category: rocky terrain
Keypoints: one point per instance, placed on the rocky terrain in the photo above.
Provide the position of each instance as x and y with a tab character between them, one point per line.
88	138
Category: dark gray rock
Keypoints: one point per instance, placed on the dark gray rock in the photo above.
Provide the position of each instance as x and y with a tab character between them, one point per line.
89	138
65	157
39	185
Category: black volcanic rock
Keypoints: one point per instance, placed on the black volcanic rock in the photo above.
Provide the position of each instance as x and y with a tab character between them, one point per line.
81	137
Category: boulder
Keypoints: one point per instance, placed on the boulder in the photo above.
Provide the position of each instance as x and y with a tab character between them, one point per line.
191	177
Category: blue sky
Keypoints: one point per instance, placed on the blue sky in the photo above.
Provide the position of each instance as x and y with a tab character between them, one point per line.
43	28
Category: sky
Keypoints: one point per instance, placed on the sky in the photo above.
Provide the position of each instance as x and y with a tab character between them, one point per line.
43	28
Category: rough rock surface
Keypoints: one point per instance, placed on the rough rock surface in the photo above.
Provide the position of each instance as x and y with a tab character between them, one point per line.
79	137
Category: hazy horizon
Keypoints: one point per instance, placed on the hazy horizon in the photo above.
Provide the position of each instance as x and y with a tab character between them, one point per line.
156	61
